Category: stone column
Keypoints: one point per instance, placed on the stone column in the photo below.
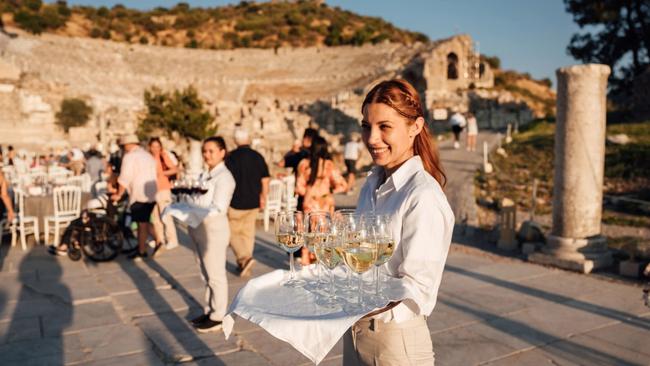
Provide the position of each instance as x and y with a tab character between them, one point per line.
195	161
575	242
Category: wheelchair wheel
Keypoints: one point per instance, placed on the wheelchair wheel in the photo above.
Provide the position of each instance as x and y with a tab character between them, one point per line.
74	253
96	245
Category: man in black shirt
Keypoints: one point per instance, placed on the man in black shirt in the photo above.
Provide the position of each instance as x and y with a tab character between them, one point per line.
252	184
292	160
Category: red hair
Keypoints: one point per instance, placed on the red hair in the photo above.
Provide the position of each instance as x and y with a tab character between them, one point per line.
404	99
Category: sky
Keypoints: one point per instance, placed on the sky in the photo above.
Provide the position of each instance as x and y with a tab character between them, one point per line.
527	35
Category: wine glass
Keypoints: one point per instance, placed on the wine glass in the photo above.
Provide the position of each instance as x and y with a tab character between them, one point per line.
378	233
289	230
328	257
317	227
359	255
348	223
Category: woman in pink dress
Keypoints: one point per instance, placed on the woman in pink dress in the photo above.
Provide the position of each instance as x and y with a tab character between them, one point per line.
317	180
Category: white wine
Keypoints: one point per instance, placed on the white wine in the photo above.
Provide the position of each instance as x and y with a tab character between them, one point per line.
312	239
290	242
327	255
359	259
385	249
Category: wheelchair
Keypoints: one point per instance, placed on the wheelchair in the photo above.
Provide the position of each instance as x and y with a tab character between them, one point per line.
100	237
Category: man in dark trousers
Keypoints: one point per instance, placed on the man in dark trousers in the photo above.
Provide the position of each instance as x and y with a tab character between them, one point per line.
252	185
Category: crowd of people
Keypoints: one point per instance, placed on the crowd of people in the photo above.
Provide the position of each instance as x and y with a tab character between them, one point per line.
405	184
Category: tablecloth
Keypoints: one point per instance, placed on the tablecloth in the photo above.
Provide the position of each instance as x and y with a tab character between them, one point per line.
293	315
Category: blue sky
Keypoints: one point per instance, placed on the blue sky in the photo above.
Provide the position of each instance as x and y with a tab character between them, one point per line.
527	35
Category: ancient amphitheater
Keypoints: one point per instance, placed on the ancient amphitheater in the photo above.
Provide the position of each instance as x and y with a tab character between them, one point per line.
275	93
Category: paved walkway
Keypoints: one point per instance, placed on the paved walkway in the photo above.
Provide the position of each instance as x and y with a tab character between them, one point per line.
492	310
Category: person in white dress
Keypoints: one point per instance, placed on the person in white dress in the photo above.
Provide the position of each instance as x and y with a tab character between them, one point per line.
472	131
212	236
407	185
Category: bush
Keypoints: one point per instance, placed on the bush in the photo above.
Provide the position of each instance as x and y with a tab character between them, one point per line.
179	111
95	33
144	40
74	113
33	5
30	22
493	61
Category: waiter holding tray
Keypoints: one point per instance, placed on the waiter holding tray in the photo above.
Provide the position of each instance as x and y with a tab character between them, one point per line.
405	184
212	236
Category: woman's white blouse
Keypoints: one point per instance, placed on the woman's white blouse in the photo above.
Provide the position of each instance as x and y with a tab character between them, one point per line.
422	223
221	186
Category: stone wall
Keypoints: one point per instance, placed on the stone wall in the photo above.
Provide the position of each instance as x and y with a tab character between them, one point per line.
273	93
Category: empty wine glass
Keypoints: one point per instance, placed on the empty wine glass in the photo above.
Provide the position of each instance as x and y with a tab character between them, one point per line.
289	230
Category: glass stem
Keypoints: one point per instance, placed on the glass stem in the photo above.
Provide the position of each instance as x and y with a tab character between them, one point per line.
319	269
360	296
331	283
377	280
350	279
291	269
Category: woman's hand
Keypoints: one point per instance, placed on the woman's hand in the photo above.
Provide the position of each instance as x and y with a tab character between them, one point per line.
11	216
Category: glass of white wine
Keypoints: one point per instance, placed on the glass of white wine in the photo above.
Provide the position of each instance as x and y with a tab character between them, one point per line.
329	258
290	230
349	224
378	232
317	228
359	255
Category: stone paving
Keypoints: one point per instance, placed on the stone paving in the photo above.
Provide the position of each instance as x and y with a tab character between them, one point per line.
492	310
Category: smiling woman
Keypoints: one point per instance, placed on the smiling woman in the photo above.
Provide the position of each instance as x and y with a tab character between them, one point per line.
405	185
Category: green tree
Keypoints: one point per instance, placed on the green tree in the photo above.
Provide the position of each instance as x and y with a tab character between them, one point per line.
615	31
74	113
180	111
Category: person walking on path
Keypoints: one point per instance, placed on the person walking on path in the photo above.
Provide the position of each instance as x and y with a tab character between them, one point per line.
211	237
351	155
252	185
165	169
138	178
405	184
457	122
318	180
472	131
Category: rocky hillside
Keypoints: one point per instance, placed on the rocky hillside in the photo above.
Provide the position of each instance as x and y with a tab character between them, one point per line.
248	24
537	94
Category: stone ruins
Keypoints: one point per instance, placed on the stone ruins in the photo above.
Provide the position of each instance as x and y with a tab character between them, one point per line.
274	93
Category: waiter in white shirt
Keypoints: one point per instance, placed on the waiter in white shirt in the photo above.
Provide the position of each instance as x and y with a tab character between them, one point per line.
406	184
212	236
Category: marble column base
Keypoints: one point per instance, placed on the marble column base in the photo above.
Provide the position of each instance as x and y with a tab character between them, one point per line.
581	255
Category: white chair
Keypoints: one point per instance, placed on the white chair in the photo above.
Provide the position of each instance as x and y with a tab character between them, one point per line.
25	224
67	207
273	201
289	198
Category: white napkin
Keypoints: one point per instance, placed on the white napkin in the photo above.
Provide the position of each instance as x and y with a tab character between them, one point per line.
292	315
187	213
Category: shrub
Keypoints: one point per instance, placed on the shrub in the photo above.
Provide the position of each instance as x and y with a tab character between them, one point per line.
95	33
144	40
33	5
74	113
30	22
179	111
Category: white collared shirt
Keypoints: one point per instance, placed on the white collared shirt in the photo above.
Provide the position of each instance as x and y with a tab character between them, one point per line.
221	186
421	222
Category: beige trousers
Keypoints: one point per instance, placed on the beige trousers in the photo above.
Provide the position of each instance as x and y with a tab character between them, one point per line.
211	243
164	227
242	232
371	342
